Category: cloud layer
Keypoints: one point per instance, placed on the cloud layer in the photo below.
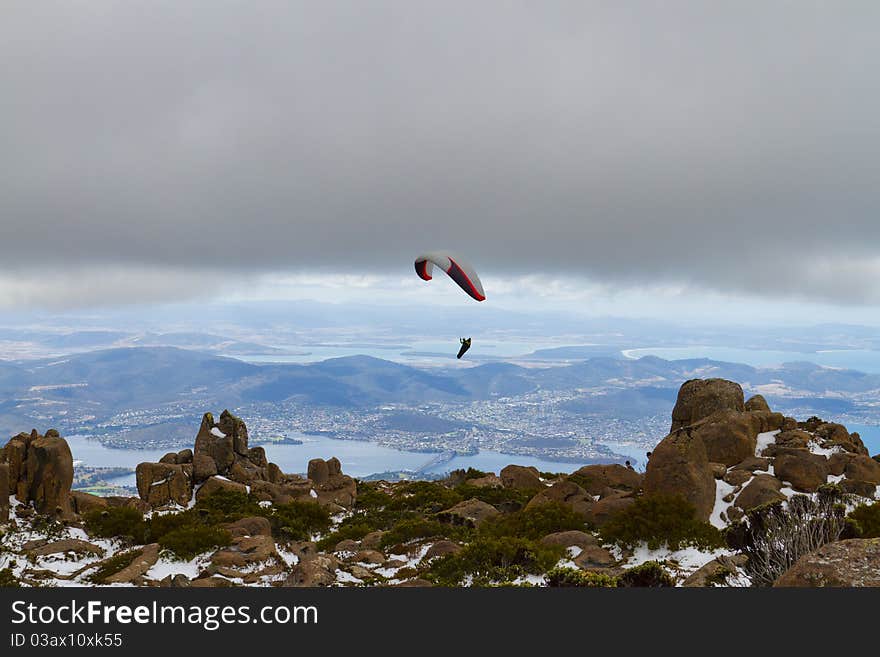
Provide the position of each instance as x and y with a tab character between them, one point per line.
731	148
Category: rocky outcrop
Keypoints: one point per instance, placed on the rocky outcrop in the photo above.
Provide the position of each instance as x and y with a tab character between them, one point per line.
222	459
853	562
40	471
679	466
699	398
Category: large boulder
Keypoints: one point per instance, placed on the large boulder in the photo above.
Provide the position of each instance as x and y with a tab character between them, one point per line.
679	465
804	470
218	483
762	489
567	493
571	538
595	479
849	563
699	398
757	403
831	434
470	513
82	502
335	487
160	484
729	436
214	444
606	508
319	570
40	471
521	477
863	468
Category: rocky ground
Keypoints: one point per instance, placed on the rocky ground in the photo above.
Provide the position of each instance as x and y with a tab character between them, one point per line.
730	484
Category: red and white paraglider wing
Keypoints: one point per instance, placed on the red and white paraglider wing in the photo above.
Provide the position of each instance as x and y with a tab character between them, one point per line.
459	271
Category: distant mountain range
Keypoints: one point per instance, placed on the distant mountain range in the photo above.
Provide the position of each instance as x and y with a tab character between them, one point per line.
109	381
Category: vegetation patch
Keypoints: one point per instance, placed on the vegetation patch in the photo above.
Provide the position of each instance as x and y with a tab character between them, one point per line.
191	540
8	579
865	520
113	565
649	574
566	577
660	520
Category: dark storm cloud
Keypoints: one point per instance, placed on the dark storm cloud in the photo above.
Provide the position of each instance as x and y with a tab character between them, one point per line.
725	145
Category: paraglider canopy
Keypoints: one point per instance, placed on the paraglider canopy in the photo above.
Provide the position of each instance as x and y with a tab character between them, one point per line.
459	271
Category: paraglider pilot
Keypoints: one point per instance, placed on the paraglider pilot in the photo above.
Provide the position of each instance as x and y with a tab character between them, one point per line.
465	345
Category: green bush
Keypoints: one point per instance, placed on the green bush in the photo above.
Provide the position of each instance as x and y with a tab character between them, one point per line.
118	522
230	504
354	531
660	520
495	496
413	528
490	559
191	540
298	520
113	565
8	580
866	518
648	574
564	577
535	522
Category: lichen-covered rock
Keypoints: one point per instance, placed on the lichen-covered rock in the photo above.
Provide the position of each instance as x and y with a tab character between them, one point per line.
850	563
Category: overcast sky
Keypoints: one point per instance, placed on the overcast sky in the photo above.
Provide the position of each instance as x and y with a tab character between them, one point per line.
161	150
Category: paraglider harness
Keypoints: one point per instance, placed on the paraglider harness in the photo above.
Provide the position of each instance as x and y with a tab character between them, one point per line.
465	345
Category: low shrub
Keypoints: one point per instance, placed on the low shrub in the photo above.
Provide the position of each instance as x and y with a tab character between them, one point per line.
413	528
776	535
535	522
490	559
298	520
189	541
113	565
866	520
649	574
567	577
119	522
660	520
8	579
